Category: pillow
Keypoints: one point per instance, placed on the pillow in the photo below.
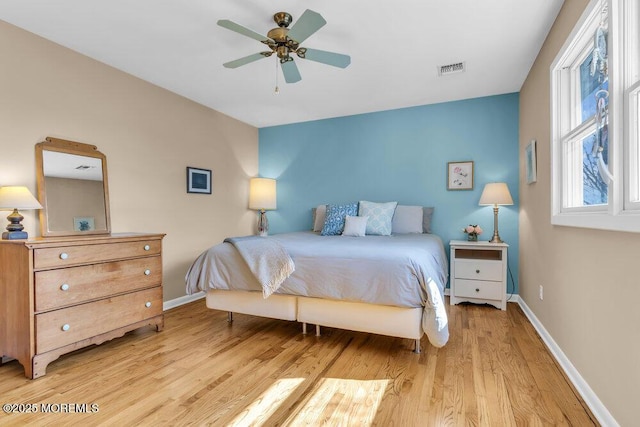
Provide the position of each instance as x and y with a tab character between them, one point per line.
355	226
427	212
319	215
380	216
407	219
334	221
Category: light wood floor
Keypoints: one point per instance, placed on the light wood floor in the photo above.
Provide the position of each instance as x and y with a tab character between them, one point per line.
495	371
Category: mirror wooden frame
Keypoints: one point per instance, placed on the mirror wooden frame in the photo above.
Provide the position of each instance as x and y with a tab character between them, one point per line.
75	148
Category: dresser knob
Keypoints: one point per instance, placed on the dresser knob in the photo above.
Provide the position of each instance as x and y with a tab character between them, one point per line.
147	272
147	304
64	287
64	255
65	327
147	247
477	290
478	271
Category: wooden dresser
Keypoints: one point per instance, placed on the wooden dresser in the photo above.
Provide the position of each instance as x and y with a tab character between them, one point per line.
59	294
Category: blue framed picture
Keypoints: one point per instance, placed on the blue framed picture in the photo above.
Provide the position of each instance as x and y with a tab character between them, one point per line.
198	180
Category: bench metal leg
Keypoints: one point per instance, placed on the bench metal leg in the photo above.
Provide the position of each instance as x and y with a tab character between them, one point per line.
416	349
304	328
229	317
317	330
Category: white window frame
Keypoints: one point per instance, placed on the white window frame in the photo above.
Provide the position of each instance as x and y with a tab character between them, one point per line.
620	213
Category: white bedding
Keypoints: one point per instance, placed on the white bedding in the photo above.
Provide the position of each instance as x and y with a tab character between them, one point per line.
404	270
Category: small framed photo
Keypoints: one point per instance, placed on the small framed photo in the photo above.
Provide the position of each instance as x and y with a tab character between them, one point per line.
460	176
198	180
84	223
530	162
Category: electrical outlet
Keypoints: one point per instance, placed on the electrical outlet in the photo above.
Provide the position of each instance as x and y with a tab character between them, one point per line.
541	292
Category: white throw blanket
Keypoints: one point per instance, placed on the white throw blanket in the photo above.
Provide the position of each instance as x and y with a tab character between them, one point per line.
267	259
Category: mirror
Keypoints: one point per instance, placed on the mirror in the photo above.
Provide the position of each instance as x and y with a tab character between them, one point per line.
72	188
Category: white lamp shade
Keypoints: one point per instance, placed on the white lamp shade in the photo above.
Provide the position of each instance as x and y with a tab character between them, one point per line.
17	197
495	193
262	194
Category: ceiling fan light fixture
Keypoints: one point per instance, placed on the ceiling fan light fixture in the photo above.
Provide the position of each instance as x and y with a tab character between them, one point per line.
284	41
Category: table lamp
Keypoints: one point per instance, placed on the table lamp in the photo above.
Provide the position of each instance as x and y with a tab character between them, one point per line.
14	198
495	193
262	197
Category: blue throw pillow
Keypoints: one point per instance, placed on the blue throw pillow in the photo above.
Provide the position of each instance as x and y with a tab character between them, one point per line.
380	216
336	214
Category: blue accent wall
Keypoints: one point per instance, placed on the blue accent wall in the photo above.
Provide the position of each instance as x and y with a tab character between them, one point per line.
399	155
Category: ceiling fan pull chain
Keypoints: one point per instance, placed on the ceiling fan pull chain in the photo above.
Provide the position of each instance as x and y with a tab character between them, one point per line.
277	91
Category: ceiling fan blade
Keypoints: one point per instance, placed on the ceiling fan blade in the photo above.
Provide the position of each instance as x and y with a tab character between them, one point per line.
329	58
290	71
246	60
308	23
230	25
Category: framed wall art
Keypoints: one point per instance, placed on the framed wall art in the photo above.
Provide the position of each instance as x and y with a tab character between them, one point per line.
84	223
460	176
530	162
198	180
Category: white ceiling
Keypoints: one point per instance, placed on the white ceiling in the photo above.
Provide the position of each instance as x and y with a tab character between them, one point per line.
395	49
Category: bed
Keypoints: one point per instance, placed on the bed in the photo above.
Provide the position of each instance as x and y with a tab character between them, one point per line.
391	285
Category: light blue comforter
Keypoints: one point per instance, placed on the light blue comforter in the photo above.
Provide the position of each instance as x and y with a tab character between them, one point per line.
405	270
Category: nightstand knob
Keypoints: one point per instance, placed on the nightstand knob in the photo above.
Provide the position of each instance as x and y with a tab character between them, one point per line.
147	247
64	287
147	272
147	304
478	271
64	255
65	327
477	290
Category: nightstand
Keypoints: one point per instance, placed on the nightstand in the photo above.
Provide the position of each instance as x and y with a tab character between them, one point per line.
479	273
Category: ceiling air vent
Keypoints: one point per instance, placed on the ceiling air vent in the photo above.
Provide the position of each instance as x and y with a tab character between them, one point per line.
444	70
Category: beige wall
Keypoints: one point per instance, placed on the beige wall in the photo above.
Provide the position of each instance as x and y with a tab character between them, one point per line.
149	136
590	277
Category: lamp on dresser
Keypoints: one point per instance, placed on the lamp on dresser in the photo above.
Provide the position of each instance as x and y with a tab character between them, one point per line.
496	194
14	198
262	197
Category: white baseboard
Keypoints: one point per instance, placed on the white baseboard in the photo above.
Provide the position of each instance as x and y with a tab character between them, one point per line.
601	413
168	305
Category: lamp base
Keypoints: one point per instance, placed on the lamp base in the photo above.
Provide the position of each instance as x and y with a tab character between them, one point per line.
496	236
496	239
15	235
263	224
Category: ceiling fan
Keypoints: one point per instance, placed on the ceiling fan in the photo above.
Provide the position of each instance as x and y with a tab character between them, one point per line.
284	41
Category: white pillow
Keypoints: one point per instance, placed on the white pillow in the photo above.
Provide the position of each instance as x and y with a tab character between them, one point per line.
380	216
355	226
319	215
407	219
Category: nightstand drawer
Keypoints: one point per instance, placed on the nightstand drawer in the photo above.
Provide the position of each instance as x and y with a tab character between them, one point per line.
68	286
86	254
479	289
478	269
69	325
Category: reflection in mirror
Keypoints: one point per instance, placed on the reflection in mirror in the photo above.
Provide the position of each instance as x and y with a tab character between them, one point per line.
72	187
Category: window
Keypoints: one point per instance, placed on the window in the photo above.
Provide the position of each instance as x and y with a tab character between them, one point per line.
595	107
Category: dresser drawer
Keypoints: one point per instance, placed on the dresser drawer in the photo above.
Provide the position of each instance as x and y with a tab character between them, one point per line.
58	328
479	289
74	285
478	269
63	256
